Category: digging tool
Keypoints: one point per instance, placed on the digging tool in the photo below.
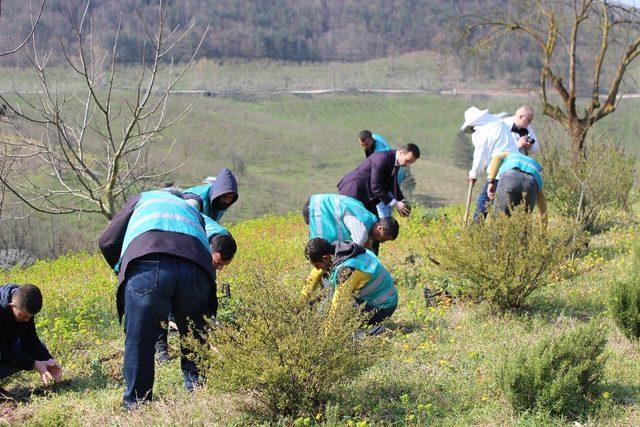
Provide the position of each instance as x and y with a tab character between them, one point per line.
466	211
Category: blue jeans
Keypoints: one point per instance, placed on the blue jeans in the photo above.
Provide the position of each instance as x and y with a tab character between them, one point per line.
482	203
378	314
514	188
155	286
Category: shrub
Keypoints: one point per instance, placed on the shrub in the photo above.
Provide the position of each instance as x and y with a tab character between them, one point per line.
625	300
594	191
559	374
506	259
284	355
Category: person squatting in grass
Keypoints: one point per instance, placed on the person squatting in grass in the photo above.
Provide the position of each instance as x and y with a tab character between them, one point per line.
514	178
212	200
166	264
20	347
334	217
511	134
373	143
352	271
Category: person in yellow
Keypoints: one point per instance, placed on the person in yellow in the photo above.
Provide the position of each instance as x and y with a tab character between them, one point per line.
352	271
515	178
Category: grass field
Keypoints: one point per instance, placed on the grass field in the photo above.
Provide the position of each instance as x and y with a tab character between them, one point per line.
441	367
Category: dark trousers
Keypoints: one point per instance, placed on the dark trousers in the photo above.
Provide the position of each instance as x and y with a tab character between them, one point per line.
514	188
155	286
7	370
378	314
305	211
163	338
482	203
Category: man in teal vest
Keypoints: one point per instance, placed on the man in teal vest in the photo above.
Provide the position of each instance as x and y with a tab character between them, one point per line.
353	271
519	179
212	200
165	263
336	217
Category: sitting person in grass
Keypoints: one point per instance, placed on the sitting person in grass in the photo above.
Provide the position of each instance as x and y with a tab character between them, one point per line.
352	271
20	347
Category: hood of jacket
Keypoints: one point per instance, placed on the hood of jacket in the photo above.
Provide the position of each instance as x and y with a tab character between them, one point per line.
5	294
344	250
225	183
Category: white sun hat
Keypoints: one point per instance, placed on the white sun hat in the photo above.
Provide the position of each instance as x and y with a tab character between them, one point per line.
475	117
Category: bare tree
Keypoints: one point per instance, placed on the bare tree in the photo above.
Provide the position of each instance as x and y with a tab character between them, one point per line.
586	48
95	144
35	19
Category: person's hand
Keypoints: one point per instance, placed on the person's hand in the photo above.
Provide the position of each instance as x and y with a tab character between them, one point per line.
523	142
403	208
472	181
49	371
491	191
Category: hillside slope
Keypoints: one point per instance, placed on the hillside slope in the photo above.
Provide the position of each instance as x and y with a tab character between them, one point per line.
441	369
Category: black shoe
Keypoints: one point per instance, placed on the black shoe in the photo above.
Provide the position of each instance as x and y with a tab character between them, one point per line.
162	355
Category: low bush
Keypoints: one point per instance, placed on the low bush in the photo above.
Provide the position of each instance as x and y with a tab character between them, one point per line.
594	191
506	259
558	375
625	300
283	357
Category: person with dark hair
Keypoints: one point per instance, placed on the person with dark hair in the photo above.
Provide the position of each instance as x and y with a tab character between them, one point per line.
223	249
20	347
335	217
352	271
159	247
375	179
212	200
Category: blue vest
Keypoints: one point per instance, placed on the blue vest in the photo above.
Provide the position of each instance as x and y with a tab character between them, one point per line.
326	216
202	191
212	228
525	164
383	145
379	291
162	211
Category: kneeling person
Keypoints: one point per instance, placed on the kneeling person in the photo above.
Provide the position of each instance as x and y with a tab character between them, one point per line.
353	271
20	347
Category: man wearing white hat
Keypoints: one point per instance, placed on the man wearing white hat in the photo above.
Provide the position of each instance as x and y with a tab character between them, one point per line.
495	134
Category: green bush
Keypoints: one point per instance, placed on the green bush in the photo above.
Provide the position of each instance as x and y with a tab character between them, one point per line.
559	374
283	357
506	259
625	300
593	191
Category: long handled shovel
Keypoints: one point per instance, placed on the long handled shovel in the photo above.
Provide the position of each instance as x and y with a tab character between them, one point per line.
466	211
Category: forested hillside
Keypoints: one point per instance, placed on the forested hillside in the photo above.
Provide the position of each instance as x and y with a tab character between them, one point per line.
295	30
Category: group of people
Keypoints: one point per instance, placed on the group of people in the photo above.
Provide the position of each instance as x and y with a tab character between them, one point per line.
166	247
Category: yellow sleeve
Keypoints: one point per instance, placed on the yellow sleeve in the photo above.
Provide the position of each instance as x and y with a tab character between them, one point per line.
541	203
356	281
312	284
495	164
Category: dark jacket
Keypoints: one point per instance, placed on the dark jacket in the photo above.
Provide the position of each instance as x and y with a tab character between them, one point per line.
150	242
373	180
225	183
12	331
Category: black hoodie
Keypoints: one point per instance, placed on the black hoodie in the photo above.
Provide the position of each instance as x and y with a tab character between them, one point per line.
344	250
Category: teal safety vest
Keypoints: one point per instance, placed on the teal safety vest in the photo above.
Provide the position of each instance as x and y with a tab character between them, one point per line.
326	216
212	228
202	191
379	291
162	211
525	164
383	145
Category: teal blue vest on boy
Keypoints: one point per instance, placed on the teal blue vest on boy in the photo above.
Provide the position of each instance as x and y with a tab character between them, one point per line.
525	164
202	191
380	291
162	211
326	216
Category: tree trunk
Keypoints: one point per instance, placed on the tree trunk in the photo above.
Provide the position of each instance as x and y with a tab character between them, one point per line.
577	130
